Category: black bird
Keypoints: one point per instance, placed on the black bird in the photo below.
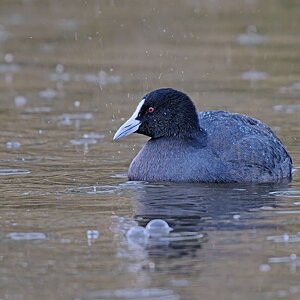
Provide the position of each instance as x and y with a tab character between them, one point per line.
212	146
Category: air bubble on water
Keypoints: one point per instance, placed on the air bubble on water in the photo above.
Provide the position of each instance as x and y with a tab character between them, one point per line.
286	237
137	235
76	103
59	68
12	145
264	268
8	58
59	74
158	227
20	101
236	217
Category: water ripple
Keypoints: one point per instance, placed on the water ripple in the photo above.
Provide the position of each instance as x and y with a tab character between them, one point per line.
10	172
95	189
133	293
286	193
26	236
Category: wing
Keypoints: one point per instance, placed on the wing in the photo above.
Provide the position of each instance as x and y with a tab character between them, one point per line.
249	148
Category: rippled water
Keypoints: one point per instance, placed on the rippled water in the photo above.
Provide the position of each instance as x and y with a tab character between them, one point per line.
70	73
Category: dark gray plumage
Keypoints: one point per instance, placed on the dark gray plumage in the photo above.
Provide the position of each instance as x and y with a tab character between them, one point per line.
214	146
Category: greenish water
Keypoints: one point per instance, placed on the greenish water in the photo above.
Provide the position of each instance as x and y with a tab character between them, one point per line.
70	73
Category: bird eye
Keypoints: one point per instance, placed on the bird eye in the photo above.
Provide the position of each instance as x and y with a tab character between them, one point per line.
151	109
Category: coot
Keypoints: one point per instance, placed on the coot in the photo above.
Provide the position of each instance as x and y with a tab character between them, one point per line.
212	146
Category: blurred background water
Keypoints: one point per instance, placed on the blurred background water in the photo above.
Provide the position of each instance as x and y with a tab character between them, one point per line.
70	73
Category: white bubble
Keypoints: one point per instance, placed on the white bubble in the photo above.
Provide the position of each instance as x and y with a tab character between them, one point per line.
59	68
286	237
236	217
264	268
158	227
8	58
137	235
77	103
20	101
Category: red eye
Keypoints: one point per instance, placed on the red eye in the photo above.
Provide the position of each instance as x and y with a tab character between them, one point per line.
151	109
